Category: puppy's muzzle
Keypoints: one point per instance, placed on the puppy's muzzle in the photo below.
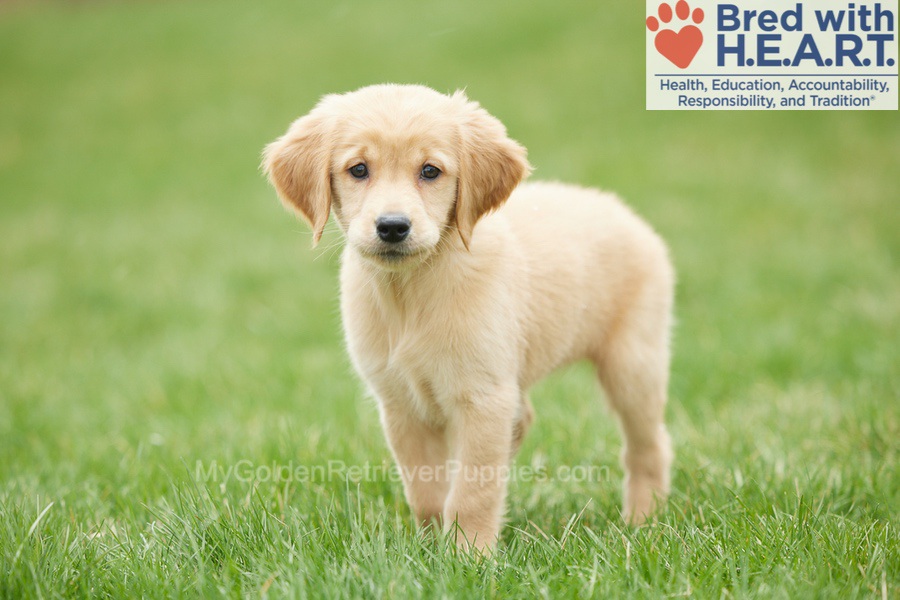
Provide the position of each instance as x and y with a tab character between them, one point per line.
393	228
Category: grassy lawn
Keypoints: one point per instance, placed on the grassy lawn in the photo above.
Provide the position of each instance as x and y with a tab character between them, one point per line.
163	322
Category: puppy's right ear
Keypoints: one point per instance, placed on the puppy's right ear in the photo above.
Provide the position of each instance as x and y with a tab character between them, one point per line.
298	165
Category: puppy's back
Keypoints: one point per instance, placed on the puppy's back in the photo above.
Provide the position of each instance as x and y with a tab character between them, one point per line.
588	260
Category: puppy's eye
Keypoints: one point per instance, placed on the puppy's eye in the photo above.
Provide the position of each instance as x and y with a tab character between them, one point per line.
360	171
430	172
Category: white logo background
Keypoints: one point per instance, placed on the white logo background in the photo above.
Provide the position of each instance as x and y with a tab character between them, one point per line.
795	81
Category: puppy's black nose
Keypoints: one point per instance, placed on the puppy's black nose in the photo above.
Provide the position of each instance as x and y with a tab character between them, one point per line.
393	228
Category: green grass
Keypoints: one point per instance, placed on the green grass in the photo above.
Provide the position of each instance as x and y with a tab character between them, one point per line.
159	310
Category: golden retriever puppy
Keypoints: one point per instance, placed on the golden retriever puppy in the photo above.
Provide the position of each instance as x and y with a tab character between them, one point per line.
461	288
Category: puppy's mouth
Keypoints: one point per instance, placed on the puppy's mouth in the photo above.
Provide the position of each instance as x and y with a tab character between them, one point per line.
392	256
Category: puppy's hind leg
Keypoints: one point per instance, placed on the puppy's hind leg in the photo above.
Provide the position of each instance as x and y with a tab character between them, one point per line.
634	372
523	423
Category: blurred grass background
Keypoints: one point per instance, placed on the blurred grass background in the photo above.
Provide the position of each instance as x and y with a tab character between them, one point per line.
159	308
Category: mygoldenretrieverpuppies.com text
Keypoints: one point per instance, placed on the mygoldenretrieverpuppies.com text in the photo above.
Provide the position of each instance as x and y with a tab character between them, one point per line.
248	471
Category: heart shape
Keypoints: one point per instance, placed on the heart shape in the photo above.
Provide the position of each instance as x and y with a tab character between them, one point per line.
680	48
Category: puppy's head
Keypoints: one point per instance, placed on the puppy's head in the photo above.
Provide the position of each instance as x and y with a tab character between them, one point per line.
401	167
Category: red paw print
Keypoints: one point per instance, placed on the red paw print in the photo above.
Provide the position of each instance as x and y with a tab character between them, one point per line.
679	47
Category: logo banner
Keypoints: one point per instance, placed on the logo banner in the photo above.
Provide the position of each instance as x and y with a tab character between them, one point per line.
755	55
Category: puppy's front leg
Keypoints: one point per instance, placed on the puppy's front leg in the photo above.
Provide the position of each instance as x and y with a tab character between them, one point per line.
482	434
420	450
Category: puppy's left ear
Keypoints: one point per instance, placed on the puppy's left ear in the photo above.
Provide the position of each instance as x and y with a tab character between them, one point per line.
491	166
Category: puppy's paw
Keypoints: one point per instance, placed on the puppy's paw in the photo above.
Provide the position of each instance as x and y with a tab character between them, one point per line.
644	497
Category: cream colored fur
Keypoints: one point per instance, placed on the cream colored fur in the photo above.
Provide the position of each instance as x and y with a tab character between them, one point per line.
497	285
